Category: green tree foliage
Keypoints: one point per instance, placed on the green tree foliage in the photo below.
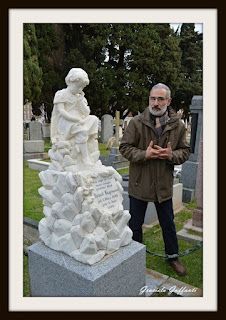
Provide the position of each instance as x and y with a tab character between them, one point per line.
154	57
86	48
123	62
32	71
51	50
191	45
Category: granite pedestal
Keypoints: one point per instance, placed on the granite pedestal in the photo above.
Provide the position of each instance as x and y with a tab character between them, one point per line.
55	274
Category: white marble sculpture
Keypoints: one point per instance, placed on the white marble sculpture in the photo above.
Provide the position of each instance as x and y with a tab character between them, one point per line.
82	199
73	130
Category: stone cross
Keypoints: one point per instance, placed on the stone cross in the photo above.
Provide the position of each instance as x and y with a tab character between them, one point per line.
117	123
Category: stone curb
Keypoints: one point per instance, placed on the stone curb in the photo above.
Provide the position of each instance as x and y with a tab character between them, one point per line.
181	289
31	223
157	282
189	226
184	235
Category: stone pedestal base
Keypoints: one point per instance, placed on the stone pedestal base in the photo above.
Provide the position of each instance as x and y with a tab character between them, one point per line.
55	274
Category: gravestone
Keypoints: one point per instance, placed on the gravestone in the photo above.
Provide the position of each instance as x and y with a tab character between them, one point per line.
190	167
46	131
114	158
35	130
106	128
85	224
197	219
34	146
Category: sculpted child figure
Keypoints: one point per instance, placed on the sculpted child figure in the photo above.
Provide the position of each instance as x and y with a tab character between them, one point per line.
73	129
82	199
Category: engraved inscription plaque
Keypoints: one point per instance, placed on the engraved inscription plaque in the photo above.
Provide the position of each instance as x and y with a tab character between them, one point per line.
107	193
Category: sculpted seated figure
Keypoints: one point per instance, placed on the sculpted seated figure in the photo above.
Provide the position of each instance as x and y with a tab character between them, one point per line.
73	130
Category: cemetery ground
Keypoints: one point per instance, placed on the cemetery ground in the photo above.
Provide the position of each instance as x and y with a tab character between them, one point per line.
33	207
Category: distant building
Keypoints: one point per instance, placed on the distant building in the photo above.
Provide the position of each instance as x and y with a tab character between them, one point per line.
27	112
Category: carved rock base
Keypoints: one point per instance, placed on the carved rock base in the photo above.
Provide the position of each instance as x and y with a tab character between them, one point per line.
84	216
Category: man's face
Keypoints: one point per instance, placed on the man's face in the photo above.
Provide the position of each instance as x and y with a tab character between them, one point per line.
158	101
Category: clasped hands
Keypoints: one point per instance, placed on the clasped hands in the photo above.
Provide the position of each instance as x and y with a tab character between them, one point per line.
156	152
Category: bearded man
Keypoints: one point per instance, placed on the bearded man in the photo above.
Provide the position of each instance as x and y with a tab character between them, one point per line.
154	142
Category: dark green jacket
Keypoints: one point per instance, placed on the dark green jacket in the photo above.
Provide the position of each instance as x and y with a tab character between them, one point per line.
152	180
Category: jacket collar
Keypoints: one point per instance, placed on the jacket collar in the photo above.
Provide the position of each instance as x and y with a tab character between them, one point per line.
145	118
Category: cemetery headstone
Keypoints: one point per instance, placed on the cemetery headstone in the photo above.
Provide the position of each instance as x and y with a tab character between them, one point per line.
46	131
35	130
106	128
190	167
197	219
34	146
85	222
114	158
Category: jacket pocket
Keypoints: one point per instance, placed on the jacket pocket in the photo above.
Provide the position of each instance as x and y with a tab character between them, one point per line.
138	176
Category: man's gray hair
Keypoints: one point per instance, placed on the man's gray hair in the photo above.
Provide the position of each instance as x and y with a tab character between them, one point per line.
162	86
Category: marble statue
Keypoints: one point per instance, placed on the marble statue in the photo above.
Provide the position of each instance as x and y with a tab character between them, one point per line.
82	199
73	130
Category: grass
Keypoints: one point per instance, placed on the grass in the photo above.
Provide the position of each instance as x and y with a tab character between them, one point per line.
190	206
103	150
32	200
47	145
195	233
192	262
123	171
26	282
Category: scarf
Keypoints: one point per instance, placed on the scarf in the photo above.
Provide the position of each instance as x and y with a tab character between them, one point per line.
160	122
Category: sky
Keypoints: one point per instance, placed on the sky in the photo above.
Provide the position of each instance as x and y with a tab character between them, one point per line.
198	26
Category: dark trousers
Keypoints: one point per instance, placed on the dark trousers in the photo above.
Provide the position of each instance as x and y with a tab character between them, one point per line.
166	221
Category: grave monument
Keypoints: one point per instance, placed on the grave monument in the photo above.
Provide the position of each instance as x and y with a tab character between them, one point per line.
106	128
84	217
190	167
33	148
197	219
114	158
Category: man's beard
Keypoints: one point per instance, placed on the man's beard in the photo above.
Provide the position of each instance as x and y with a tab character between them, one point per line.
159	112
